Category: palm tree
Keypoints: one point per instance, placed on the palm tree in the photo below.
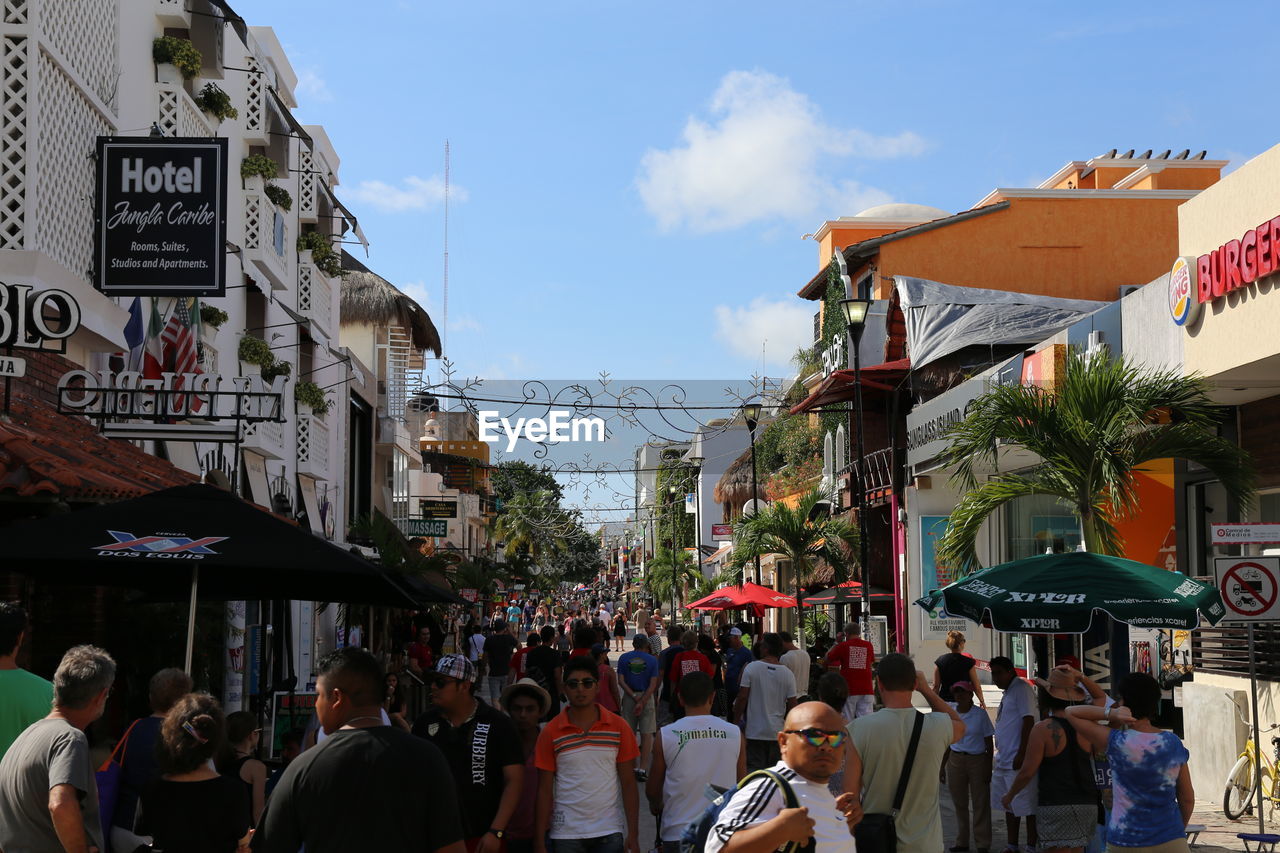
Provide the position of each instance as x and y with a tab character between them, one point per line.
1092	435
531	523
801	539
671	571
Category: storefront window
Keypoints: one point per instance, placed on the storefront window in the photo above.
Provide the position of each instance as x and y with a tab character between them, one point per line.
1039	524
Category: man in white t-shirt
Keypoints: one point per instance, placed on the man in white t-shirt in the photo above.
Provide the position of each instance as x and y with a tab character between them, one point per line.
693	752
813	742
765	694
1014	720
796	660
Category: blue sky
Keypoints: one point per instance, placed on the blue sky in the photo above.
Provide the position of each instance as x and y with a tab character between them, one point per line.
632	180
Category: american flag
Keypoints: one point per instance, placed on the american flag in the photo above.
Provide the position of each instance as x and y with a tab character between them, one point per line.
180	354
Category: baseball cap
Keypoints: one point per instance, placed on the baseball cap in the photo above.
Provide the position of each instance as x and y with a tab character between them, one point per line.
456	666
598	648
735	632
962	685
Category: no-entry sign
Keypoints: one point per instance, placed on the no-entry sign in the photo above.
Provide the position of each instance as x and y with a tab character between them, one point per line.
1249	587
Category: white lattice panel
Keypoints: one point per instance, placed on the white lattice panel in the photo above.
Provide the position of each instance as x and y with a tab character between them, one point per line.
15	11
63	200
252	220
84	33
179	115
255	106
313	444
266	437
315	296
15	89
306	185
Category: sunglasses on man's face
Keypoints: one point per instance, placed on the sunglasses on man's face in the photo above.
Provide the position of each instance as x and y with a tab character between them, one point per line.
820	737
584	683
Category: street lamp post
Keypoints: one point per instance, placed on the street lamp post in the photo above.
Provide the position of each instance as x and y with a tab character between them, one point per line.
751	414
696	457
675	520
855	317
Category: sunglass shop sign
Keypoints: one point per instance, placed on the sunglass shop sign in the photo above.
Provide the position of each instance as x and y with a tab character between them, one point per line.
160	216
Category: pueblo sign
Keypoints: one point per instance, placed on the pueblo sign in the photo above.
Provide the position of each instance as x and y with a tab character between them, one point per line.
1231	266
30	320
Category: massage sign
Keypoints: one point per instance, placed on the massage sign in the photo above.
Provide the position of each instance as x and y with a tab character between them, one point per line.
160	216
1230	267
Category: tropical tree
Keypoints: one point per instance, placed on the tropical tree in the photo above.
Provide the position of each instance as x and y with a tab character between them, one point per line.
671	572
1092	434
799	538
532	523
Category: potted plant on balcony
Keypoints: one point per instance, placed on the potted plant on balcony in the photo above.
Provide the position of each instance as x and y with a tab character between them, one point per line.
216	102
211	316
279	196
255	352
276	368
310	394
322	254
176	59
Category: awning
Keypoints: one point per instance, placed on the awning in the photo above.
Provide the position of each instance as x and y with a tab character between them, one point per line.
838	387
287	115
237	23
44	454
350	217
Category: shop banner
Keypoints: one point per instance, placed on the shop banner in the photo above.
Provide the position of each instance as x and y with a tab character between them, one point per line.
160	216
934	576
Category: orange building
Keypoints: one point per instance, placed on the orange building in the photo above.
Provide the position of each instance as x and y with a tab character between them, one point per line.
1093	227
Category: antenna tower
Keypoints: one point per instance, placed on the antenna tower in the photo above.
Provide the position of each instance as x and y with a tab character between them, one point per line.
444	328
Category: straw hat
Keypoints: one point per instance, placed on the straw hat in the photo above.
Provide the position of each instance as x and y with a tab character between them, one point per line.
544	698
1061	684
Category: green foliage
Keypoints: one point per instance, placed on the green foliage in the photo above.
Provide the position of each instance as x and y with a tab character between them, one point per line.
323	255
675	528
788	441
511	477
279	196
211	316
793	478
1092	434
833	329
216	102
179	52
671	571
259	165
310	394
276	368
255	351
816	623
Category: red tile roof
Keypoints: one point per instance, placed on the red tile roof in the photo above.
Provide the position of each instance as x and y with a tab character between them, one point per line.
47	454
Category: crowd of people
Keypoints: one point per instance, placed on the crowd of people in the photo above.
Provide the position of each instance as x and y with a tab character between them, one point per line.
543	742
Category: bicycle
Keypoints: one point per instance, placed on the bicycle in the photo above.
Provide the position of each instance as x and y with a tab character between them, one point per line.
1241	794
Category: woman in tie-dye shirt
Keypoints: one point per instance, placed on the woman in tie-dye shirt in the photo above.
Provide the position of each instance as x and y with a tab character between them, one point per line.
1153	797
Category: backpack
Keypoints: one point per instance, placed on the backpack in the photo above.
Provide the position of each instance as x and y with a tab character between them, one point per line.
695	835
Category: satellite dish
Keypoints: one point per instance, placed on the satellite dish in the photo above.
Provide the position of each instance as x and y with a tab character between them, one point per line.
751	507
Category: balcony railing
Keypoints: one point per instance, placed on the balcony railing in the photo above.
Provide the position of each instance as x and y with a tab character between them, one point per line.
876	475
266	235
265	437
315	293
313	446
178	115
173	13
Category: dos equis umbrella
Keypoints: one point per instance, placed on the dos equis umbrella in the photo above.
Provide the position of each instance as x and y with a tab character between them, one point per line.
1060	593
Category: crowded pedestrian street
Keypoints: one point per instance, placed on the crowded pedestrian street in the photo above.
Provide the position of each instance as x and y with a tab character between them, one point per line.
627	427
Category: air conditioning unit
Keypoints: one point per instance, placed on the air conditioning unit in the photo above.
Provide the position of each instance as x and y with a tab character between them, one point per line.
1126	289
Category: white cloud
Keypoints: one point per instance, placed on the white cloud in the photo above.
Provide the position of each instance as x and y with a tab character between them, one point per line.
763	153
312	88
414	193
778	327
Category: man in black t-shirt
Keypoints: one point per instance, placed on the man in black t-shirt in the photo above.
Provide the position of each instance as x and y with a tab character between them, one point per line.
498	649
483	750
544	665
400	784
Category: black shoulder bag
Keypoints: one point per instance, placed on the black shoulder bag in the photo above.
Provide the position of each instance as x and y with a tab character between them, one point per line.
876	833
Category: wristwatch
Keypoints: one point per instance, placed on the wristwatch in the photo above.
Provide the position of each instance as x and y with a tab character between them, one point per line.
498	833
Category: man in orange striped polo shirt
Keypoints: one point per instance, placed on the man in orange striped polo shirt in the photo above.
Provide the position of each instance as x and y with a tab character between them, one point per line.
586	765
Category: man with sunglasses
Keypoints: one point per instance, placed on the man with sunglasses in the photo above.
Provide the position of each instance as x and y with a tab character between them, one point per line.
482	748
586	762
813	743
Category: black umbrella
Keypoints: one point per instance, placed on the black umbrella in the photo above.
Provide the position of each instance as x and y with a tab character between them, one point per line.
178	540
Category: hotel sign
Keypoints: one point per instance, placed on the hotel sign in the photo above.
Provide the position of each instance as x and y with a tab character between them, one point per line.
160	216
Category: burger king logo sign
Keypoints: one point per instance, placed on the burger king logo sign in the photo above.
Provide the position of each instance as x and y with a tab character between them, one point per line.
1183	305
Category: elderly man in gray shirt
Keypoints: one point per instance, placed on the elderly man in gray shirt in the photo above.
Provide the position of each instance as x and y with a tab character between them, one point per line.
48	797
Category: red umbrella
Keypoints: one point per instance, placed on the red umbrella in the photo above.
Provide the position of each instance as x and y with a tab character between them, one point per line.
738	597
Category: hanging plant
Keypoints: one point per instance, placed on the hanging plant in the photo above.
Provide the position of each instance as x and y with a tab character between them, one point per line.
178	52
279	196
259	165
276	368
255	351
211	316
323	255
310	394
216	102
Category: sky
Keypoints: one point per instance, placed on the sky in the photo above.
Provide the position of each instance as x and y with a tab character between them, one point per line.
630	182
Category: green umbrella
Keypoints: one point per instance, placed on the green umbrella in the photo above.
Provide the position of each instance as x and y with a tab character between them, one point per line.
1059	594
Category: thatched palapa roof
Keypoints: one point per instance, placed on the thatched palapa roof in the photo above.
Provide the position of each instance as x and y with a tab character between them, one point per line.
369	298
734	486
